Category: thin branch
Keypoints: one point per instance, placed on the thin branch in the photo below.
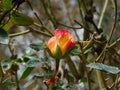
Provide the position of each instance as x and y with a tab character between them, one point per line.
114	24
101	80
90	31
18	34
44	27
69	26
45	34
115	83
17	81
11	50
102	13
70	19
38	18
1	73
114	43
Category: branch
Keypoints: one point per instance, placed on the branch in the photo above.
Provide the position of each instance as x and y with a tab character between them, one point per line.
18	34
90	31
102	13
114	24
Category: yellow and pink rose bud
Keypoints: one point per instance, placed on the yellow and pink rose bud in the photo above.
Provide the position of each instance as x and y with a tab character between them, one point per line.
61	43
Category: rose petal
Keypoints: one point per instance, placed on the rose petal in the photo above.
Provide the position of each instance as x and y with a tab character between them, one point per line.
52	44
66	40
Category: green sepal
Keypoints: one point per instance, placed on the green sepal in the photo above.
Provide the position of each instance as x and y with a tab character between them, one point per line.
73	51
58	53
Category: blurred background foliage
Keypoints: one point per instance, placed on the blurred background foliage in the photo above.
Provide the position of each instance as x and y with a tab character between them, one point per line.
28	35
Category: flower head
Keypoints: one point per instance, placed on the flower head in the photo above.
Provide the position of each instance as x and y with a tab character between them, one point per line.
62	41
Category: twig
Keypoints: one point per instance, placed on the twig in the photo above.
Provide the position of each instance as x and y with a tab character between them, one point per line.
102	13
28	2
90	31
49	14
72	68
38	18
115	83
17	82
70	19
114	43
101	80
11	50
44	27
114	24
18	34
69	26
45	34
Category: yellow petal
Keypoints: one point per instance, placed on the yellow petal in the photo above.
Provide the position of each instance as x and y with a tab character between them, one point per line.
52	44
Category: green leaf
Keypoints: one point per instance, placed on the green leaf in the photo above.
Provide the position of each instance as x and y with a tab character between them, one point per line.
83	80
38	47
26	72
7	26
103	67
21	19
44	74
4	39
33	62
75	51
7	4
30	53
